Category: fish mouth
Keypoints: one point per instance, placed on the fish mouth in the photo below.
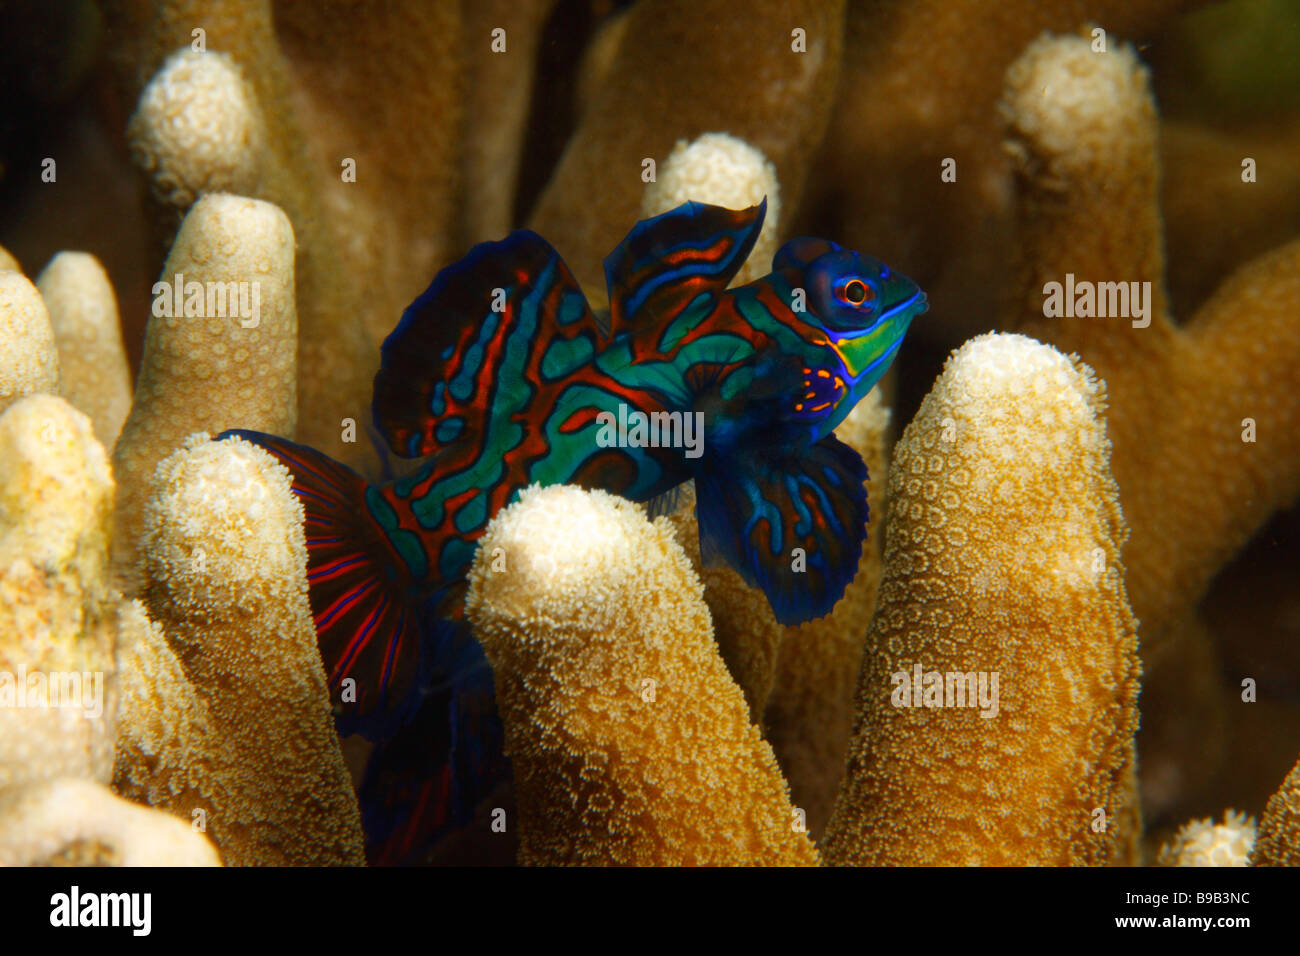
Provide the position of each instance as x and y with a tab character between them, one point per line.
915	303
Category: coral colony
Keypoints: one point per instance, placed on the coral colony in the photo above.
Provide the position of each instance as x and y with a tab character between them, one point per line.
483	499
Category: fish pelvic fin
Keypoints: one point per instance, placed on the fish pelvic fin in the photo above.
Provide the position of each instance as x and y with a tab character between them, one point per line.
790	519
361	589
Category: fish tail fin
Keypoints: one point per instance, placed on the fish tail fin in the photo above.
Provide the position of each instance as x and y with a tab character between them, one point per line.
428	779
791	519
361	591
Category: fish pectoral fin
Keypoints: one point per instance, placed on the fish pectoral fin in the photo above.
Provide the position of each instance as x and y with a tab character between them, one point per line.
791	523
665	262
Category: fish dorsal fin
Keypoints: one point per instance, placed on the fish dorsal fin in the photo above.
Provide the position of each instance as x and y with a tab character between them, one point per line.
460	352
665	262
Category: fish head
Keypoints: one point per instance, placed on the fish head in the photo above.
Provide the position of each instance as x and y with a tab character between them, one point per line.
863	307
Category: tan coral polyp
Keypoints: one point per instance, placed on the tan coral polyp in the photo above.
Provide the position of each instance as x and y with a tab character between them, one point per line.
1001	558
629	742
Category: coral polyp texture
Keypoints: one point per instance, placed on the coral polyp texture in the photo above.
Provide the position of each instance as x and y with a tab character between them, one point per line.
93	372
29	363
1185	400
1278	839
225	581
207	368
76	822
57	619
1206	843
630	742
1070	638
998	694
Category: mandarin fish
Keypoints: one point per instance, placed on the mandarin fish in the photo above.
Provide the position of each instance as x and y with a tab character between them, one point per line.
500	376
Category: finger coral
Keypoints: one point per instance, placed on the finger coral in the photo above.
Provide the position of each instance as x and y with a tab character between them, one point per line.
288	109
197	129
628	739
29	363
225	566
93	372
1002	582
220	351
335	155
1278	842
799	681
653	94
71	822
1185	401
1206	843
57	614
921	91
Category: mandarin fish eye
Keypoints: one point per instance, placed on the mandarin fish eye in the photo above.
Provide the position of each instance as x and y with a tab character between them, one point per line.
855	292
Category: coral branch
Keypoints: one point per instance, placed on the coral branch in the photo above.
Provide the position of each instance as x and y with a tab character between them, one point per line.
71	822
57	623
225	563
922	87
1278	843
658	90
347	114
1001	563
1083	133
629	742
1195	481
29	363
205	372
498	86
93	372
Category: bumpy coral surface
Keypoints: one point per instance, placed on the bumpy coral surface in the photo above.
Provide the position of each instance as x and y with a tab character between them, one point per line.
998	694
337	154
57	621
207	368
1278	843
93	372
225	578
1206	843
1194	480
71	822
629	741
28	361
